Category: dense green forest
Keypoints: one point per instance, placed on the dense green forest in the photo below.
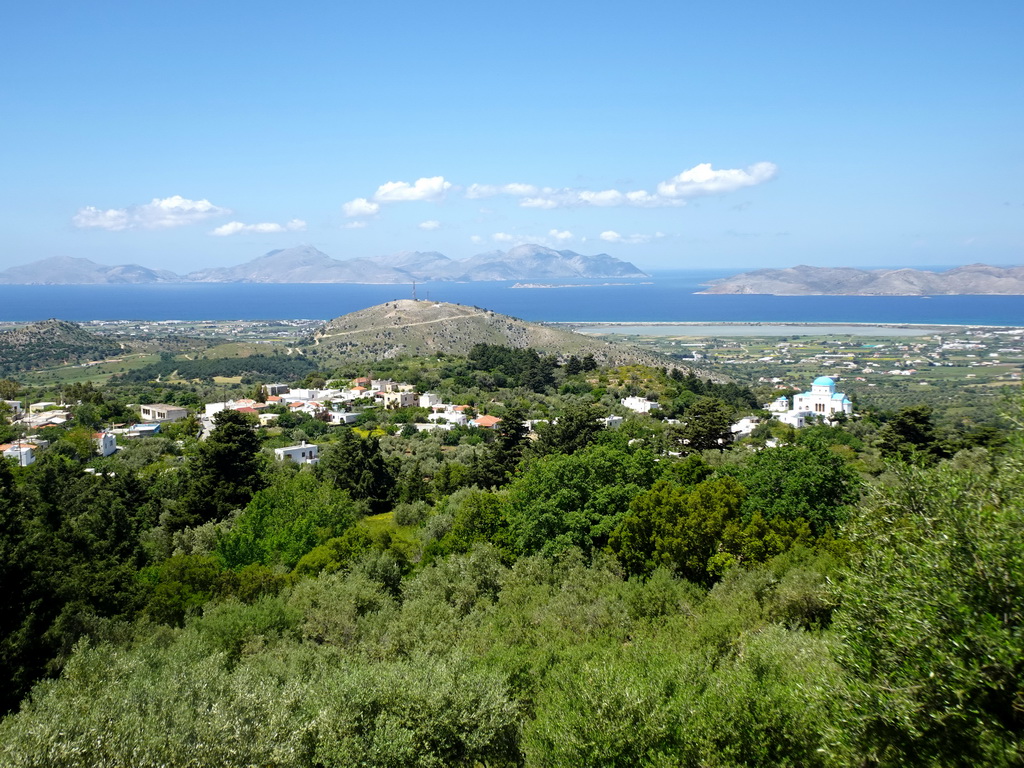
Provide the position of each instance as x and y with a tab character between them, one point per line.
647	595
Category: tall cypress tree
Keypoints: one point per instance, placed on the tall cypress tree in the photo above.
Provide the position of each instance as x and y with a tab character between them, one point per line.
226	472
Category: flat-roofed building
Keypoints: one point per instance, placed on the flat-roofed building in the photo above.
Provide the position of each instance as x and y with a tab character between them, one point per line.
305	453
162	412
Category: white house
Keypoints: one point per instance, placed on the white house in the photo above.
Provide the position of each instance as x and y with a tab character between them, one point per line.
639	404
794	419
428	399
744	426
105	443
162	412
433	425
449	417
212	409
22	452
342	417
306	453
15	406
822	399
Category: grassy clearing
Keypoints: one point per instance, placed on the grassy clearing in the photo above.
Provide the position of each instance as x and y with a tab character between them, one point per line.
241	349
99	373
402	535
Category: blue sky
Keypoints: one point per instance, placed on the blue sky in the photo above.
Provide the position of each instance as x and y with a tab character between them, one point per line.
671	134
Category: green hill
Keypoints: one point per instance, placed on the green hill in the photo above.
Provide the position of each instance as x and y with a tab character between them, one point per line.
50	343
408	328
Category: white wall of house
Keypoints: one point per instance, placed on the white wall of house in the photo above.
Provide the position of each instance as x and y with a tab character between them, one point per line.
105	443
305	453
162	412
23	453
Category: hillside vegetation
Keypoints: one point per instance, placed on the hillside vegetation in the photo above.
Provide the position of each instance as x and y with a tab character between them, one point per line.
412	328
564	594
51	342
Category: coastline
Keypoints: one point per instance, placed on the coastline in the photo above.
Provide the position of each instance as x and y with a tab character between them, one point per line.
770	328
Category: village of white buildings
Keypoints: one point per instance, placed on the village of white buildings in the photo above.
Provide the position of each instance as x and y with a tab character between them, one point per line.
343	405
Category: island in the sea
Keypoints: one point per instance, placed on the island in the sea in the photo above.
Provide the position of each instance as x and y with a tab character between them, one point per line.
974	279
576	285
306	264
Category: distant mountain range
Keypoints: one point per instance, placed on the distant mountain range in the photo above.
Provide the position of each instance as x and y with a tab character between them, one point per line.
65	270
305	264
977	279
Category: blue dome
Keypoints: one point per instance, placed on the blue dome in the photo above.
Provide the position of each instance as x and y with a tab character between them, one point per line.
823	381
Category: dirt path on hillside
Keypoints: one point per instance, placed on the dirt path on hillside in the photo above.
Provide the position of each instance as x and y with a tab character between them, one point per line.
316	341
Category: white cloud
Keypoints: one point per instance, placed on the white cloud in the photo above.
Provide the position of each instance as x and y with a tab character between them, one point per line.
554	238
539	202
603	198
611	236
159	213
644	199
704	180
231	228
429	226
476	191
114	219
360	207
432	188
234	227
700	180
476	239
353	225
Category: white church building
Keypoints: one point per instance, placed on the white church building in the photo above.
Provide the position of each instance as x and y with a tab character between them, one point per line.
822	400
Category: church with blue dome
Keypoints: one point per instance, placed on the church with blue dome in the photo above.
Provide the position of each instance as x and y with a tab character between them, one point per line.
822	399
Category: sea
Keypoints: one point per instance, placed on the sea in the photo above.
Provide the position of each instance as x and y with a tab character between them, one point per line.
664	297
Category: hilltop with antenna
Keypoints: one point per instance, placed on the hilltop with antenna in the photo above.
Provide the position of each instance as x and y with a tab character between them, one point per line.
418	327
